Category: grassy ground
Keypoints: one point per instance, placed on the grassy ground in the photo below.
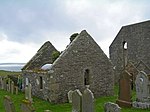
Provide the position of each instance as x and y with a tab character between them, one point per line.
41	105
4	73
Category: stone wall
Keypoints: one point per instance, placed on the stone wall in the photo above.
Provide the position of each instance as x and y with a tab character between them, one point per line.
137	37
68	71
42	57
34	78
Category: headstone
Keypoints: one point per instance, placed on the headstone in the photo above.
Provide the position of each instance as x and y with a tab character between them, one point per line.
5	84
76	101
16	90
26	92
12	87
111	107
8	104
29	92
124	99
70	96
2	83
26	106
87	101
142	87
9	85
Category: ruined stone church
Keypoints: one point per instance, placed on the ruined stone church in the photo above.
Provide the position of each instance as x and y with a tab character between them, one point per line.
131	45
81	64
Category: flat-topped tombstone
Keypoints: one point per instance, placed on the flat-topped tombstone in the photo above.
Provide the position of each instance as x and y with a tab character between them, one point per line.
111	107
76	101
70	96
87	101
8	104
26	106
142	87
124	98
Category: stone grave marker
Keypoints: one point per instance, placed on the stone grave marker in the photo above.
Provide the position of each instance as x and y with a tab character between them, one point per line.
9	85
124	99
16	89
70	96
26	92
142	87
12	87
111	107
76	101
29	92
87	101
5	84
2	83
8	104
26	106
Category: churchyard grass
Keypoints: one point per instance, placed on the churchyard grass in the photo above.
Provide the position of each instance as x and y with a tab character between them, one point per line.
41	105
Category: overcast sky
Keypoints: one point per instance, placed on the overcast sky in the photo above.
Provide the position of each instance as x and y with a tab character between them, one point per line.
26	24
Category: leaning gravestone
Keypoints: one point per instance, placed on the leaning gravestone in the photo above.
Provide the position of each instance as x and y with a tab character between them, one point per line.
26	106
142	87
70	96
76	101
87	101
8	104
124	98
111	107
142	91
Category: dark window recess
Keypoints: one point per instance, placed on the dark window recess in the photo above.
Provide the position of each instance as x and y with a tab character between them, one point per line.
86	77
41	82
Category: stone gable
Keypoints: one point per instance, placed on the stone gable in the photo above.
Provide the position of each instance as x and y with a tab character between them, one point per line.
82	63
137	39
43	56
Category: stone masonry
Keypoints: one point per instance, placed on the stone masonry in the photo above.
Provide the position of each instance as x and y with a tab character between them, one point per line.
131	44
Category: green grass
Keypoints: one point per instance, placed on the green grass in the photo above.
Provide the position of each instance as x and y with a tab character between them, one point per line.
5	73
41	105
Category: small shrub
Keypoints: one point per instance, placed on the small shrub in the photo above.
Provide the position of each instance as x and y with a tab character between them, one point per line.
55	55
73	36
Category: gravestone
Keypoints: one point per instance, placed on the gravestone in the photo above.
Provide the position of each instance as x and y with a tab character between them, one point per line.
142	87
76	101
26	106
8	104
16	89
2	83
70	96
9	85
5	84
111	107
26	92
87	101
29	92
124	99
12	87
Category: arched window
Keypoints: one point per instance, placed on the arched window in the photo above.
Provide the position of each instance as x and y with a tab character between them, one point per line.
41	82
86	77
125	45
